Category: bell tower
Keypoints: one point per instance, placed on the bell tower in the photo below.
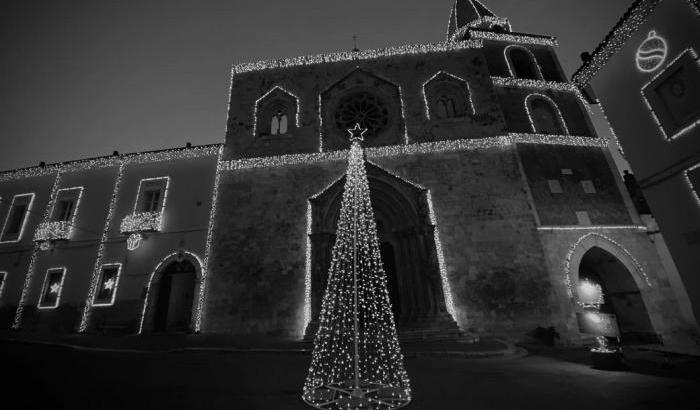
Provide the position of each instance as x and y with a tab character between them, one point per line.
473	14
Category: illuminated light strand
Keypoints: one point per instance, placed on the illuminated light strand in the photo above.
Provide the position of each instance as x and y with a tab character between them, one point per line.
488	21
113	295
445	73
513	38
614	41
201	299
111	161
3	280
509	63
692	187
156	270
552	104
149	220
354	55
356	353
612	130
567	262
96	270
693	54
141	221
416	148
25	218
403	115
449	302
320	125
262	97
32	259
53	230
45	289
592	227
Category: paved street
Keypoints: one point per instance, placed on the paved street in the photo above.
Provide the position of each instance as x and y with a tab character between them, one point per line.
62	378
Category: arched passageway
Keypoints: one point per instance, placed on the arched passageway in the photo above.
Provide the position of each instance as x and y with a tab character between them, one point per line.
407	246
622	296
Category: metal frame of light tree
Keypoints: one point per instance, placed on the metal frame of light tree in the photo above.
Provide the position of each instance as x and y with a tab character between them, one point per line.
356	361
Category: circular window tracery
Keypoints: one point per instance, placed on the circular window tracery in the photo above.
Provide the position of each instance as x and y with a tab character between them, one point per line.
365	108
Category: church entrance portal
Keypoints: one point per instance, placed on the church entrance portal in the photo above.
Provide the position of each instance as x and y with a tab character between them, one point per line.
407	247
175	294
622	296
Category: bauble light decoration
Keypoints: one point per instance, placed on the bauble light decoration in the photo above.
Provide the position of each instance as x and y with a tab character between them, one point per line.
652	53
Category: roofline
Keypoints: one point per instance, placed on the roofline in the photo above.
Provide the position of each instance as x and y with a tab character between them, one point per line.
49	167
626	26
353	55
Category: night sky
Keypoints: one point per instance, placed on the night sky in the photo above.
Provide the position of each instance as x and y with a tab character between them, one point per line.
81	78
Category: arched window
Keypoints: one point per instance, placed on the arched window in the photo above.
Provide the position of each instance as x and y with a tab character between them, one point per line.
545	116
447	96
278	123
522	63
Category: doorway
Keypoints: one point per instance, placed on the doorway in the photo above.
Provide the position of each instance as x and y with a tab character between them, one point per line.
174	299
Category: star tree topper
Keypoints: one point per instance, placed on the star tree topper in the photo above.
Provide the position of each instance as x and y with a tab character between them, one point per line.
357	133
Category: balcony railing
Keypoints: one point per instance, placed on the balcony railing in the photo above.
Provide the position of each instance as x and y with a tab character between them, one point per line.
141	221
53	230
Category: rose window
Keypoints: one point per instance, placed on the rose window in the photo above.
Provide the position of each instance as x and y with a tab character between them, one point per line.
364	108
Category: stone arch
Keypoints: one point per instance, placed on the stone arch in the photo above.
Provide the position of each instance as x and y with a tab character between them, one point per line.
544	115
405	229
522	63
446	88
365	98
152	290
275	102
626	286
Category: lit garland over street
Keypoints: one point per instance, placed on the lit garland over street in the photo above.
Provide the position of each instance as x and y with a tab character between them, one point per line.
356	361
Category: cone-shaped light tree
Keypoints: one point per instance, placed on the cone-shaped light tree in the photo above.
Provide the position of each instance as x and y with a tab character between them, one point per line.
356	361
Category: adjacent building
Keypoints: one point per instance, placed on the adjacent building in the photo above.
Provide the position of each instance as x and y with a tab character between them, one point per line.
645	75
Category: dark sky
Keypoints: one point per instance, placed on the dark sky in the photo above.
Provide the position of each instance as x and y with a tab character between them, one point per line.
81	78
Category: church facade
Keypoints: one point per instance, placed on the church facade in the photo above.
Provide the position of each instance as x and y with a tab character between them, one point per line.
493	196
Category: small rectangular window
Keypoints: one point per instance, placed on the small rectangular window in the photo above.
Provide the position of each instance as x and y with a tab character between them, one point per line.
107	287
567	171
152	194
52	288
588	186
66	205
554	186
3	279
17	217
583	218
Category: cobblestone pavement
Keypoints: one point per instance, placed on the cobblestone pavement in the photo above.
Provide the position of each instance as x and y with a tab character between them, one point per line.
53	378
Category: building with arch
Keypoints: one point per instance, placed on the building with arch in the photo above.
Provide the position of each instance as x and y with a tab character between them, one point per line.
487	181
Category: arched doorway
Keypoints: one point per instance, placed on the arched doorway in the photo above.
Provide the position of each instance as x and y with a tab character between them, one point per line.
407	247
622	296
171	294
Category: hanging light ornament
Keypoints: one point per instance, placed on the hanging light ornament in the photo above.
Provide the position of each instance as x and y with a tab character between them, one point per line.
356	361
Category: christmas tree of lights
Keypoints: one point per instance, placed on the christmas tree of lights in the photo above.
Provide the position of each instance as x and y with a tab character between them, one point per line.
356	361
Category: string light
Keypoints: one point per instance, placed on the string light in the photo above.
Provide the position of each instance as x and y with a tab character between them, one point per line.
356	360
161	264
133	241
693	55
354	56
614	41
513	38
3	279
483	21
551	103
444	73
25	217
55	288
262	97
652	53
87	309
32	259
509	63
585	228
112	286
688	181
567	261
207	248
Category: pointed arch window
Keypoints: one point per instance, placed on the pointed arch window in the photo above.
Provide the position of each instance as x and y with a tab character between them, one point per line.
522	63
447	96
545	116
278	123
